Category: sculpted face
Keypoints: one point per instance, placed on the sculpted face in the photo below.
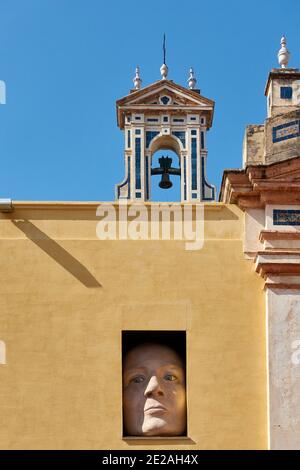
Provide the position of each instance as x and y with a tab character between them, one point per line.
154	399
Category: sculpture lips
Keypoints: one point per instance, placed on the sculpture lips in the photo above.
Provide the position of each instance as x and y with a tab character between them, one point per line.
155	408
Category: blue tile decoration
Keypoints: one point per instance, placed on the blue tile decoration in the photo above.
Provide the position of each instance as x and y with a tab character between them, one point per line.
138	131
149	136
286	131
286	217
286	92
194	196
194	163
128	139
202	140
165	100
181	136
138	163
128	178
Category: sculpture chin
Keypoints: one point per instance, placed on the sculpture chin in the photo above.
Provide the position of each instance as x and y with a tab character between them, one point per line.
153	426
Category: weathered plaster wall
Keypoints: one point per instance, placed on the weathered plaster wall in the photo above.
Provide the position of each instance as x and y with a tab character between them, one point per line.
253	145
285	149
65	297
279	105
254	223
284	368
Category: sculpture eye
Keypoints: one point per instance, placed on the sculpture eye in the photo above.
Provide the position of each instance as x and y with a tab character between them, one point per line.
170	377
138	379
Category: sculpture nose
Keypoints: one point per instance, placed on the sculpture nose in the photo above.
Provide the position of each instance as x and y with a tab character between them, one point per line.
153	387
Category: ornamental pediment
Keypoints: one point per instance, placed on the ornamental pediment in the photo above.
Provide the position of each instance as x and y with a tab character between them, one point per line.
164	95
177	93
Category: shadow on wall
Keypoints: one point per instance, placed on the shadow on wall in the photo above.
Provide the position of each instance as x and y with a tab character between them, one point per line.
59	254
226	214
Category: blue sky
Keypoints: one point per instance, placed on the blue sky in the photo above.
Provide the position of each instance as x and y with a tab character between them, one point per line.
66	62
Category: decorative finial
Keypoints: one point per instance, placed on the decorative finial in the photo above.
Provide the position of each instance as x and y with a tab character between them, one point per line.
283	54
192	79
164	68
137	79
164	71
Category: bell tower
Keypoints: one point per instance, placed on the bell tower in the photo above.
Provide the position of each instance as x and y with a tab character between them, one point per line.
165	116
282	88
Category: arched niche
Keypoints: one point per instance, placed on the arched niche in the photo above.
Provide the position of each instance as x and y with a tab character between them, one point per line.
166	142
167	146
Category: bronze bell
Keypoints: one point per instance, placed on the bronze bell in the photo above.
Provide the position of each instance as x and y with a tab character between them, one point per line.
165	182
165	169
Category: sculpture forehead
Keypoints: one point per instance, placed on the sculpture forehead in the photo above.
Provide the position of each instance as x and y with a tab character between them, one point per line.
149	352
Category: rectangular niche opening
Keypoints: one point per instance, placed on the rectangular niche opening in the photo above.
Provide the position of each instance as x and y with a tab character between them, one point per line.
154	393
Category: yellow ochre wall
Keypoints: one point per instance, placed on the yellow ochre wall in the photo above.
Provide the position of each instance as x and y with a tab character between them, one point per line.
65	297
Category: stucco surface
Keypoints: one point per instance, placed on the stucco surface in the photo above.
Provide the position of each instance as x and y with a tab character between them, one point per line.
65	298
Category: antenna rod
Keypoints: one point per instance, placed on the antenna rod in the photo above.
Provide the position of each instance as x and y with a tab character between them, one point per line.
164	67
164	48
